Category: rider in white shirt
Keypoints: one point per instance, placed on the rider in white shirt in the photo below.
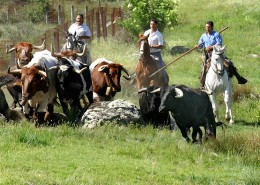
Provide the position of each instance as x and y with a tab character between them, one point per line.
82	30
82	33
155	40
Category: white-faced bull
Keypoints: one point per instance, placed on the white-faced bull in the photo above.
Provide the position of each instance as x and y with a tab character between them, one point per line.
190	108
106	79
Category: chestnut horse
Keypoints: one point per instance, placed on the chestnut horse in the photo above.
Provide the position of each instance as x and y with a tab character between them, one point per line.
147	66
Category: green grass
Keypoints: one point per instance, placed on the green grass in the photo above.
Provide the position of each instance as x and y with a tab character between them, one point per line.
136	154
125	155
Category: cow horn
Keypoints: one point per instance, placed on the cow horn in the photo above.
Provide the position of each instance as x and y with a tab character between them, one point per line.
142	90
41	47
84	51
17	71
79	71
43	73
179	93
102	68
128	77
10	50
54	54
155	91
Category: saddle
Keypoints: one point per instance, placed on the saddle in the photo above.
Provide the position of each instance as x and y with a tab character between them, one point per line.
228	65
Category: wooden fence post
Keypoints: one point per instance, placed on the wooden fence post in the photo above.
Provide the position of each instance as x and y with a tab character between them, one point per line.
98	24
56	41
86	14
59	15
46	16
12	56
72	14
112	22
103	19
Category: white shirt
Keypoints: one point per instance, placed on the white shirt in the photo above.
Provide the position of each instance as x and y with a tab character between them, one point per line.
154	38
82	30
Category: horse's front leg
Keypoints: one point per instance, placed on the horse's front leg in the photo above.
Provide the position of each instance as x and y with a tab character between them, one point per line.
228	102
214	106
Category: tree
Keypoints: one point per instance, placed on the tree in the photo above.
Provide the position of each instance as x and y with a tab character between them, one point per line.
139	12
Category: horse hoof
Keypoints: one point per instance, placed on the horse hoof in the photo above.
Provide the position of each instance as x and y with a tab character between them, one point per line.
231	122
227	117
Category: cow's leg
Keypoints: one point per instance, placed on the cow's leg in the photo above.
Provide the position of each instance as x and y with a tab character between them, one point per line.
48	116
39	119
184	132
196	130
90	97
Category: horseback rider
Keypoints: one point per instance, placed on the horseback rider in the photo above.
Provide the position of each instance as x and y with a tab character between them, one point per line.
207	41
81	32
155	39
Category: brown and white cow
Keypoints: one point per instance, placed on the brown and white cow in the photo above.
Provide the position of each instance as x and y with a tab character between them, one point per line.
105	77
23	52
38	85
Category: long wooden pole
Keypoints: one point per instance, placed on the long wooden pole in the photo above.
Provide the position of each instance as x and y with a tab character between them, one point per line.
180	56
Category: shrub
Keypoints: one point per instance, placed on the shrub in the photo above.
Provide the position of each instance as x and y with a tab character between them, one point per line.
36	12
139	12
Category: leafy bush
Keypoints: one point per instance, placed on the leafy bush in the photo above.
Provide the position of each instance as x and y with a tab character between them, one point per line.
36	12
139	12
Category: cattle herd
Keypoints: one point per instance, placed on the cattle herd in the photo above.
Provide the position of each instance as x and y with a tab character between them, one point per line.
42	78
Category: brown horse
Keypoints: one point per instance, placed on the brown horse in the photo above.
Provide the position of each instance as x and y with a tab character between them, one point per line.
147	66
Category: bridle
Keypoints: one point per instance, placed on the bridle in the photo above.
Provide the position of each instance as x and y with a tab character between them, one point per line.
219	72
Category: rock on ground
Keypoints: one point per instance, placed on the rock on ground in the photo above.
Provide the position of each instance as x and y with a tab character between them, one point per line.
120	111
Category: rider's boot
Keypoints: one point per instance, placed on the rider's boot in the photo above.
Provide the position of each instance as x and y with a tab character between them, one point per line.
240	79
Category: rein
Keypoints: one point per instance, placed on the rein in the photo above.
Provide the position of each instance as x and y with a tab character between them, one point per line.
216	70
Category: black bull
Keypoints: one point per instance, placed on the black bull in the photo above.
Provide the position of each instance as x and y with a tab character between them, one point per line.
149	108
190	108
70	85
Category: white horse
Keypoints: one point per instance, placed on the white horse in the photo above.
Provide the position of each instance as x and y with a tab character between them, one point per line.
217	81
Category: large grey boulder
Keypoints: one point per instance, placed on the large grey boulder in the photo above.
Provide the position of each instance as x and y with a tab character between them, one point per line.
119	111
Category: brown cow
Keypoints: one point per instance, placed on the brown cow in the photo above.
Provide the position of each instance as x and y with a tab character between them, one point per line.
105	77
24	55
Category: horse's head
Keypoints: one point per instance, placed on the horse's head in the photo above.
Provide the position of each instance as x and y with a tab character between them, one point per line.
73	43
218	58
143	44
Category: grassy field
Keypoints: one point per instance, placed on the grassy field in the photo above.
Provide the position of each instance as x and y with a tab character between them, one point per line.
136	154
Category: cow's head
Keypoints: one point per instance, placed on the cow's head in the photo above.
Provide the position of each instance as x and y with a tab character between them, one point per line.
168	95
149	101
73	54
24	52
33	80
112	75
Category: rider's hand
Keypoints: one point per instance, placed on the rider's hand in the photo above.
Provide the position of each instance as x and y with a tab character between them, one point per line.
209	48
